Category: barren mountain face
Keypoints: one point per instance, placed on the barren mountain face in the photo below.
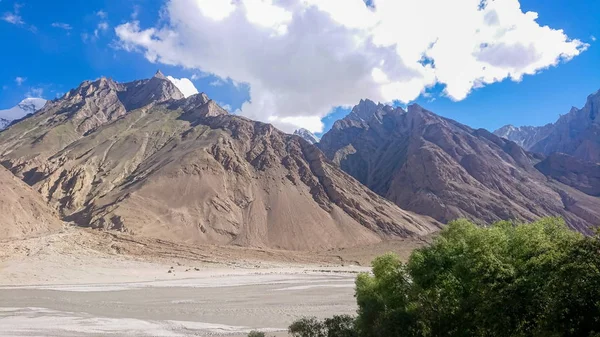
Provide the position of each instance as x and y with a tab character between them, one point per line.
140	158
23	211
438	167
577	173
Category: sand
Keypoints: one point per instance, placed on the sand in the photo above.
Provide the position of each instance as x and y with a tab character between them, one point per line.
87	283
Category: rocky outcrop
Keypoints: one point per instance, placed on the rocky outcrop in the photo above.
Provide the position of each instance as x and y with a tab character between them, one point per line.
441	168
159	165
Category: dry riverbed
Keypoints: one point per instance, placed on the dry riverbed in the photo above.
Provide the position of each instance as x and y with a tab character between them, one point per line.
86	283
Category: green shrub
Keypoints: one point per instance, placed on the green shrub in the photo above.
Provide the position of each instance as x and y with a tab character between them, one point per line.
337	326
506	280
256	334
307	327
340	326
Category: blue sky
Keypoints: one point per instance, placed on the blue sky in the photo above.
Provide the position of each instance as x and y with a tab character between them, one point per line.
52	50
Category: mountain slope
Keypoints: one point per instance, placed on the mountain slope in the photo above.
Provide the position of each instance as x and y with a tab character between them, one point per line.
24	108
22	210
441	168
140	158
576	133
577	173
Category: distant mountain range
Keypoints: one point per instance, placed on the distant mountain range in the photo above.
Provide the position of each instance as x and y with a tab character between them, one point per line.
576	133
138	157
24	108
141	158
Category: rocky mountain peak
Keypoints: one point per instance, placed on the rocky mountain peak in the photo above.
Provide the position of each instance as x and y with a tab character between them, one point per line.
160	75
25	107
364	110
306	135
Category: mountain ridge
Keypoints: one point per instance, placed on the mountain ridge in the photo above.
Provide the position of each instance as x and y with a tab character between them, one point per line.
438	167
140	158
575	133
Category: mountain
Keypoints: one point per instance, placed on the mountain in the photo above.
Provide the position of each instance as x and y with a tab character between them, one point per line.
441	168
576	133
138	157
306	135
24	108
525	136
23	212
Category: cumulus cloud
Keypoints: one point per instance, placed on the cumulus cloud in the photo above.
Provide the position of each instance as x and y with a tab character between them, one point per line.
19	80
184	85
301	58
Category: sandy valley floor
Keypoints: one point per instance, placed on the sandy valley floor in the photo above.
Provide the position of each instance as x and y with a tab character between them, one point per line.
86	283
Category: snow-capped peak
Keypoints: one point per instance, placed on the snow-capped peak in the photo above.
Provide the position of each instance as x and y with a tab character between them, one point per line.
24	108
307	135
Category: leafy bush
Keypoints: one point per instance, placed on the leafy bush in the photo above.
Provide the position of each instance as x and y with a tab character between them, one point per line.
340	326
256	334
337	326
307	327
538	279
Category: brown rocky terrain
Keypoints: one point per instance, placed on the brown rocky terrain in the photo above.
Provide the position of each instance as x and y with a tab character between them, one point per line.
441	168
576	133
577	173
23	212
140	158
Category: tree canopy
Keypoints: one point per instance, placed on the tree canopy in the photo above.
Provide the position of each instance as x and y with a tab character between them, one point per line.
538	279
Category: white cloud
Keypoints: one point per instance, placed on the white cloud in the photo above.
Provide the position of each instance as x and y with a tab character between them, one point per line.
216	83
184	85
593	38
35	92
101	27
13	18
101	14
301	58
19	80
62	25
225	106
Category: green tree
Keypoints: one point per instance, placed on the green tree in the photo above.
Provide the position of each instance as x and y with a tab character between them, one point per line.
538	279
340	326
307	327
